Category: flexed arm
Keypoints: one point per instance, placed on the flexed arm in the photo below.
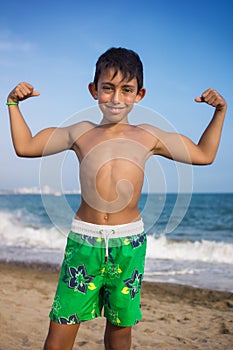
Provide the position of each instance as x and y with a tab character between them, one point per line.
210	139
181	148
24	143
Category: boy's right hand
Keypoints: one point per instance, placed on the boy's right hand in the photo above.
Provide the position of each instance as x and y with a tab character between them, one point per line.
21	92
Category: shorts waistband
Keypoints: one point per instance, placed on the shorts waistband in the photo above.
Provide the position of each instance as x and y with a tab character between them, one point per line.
109	231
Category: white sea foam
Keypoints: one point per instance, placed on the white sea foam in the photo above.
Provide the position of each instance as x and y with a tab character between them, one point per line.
171	273
14	233
205	251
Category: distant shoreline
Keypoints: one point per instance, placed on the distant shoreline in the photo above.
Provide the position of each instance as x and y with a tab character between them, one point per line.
53	192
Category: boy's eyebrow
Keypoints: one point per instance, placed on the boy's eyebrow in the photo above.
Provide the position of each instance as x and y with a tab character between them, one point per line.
109	83
106	82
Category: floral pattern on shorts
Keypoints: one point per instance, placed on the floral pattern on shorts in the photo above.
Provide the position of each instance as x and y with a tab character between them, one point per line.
133	284
80	281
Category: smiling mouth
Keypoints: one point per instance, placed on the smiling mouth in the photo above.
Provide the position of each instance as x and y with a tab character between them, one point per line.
115	109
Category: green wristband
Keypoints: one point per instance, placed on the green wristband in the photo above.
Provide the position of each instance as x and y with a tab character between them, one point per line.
11	103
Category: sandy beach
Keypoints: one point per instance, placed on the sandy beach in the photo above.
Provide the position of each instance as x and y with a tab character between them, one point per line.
174	317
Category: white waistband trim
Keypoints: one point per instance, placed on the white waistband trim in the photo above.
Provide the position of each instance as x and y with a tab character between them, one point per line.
111	231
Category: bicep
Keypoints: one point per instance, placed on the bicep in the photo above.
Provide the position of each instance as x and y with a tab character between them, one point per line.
179	148
49	141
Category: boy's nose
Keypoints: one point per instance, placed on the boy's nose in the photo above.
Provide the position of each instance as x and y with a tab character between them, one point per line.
116	97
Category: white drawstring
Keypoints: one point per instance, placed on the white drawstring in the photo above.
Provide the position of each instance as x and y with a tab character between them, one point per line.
105	236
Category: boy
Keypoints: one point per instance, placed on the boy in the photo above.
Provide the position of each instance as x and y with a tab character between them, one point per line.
112	156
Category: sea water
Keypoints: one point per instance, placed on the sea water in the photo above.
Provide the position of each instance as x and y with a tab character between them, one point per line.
190	237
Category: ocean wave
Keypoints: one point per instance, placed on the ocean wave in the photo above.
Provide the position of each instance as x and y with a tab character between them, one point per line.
13	232
205	251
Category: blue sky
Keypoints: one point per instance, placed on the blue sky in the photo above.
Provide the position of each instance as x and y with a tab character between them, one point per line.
186	47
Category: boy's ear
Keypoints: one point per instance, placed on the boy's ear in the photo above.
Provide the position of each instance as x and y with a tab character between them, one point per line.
140	95
93	90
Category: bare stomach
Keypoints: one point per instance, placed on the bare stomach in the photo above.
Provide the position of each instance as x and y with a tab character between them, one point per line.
110	195
88	214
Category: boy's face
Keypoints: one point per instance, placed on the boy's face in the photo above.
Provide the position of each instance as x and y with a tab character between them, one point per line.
116	96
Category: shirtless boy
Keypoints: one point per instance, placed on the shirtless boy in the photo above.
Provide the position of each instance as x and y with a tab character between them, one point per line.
104	260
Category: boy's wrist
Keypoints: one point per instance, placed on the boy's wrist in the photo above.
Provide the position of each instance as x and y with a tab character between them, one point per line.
221	108
12	98
12	103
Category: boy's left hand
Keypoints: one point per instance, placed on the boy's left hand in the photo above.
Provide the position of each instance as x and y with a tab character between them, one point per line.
212	98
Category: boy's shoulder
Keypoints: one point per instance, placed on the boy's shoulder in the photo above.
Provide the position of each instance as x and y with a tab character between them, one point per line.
80	128
83	125
149	128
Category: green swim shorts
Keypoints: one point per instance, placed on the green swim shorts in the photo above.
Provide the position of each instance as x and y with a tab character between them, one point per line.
102	269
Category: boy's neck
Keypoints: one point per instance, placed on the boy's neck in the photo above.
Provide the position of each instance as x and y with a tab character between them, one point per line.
111	124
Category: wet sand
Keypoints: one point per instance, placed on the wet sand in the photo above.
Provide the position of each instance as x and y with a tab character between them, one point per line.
174	317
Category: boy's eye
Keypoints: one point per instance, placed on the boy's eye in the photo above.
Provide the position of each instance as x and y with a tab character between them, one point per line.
127	90
124	89
107	88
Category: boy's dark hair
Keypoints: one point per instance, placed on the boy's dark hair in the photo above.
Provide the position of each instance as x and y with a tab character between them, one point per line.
126	61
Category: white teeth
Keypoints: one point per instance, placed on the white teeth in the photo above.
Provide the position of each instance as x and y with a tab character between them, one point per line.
115	109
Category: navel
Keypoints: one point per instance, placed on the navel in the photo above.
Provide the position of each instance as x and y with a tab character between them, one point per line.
106	216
